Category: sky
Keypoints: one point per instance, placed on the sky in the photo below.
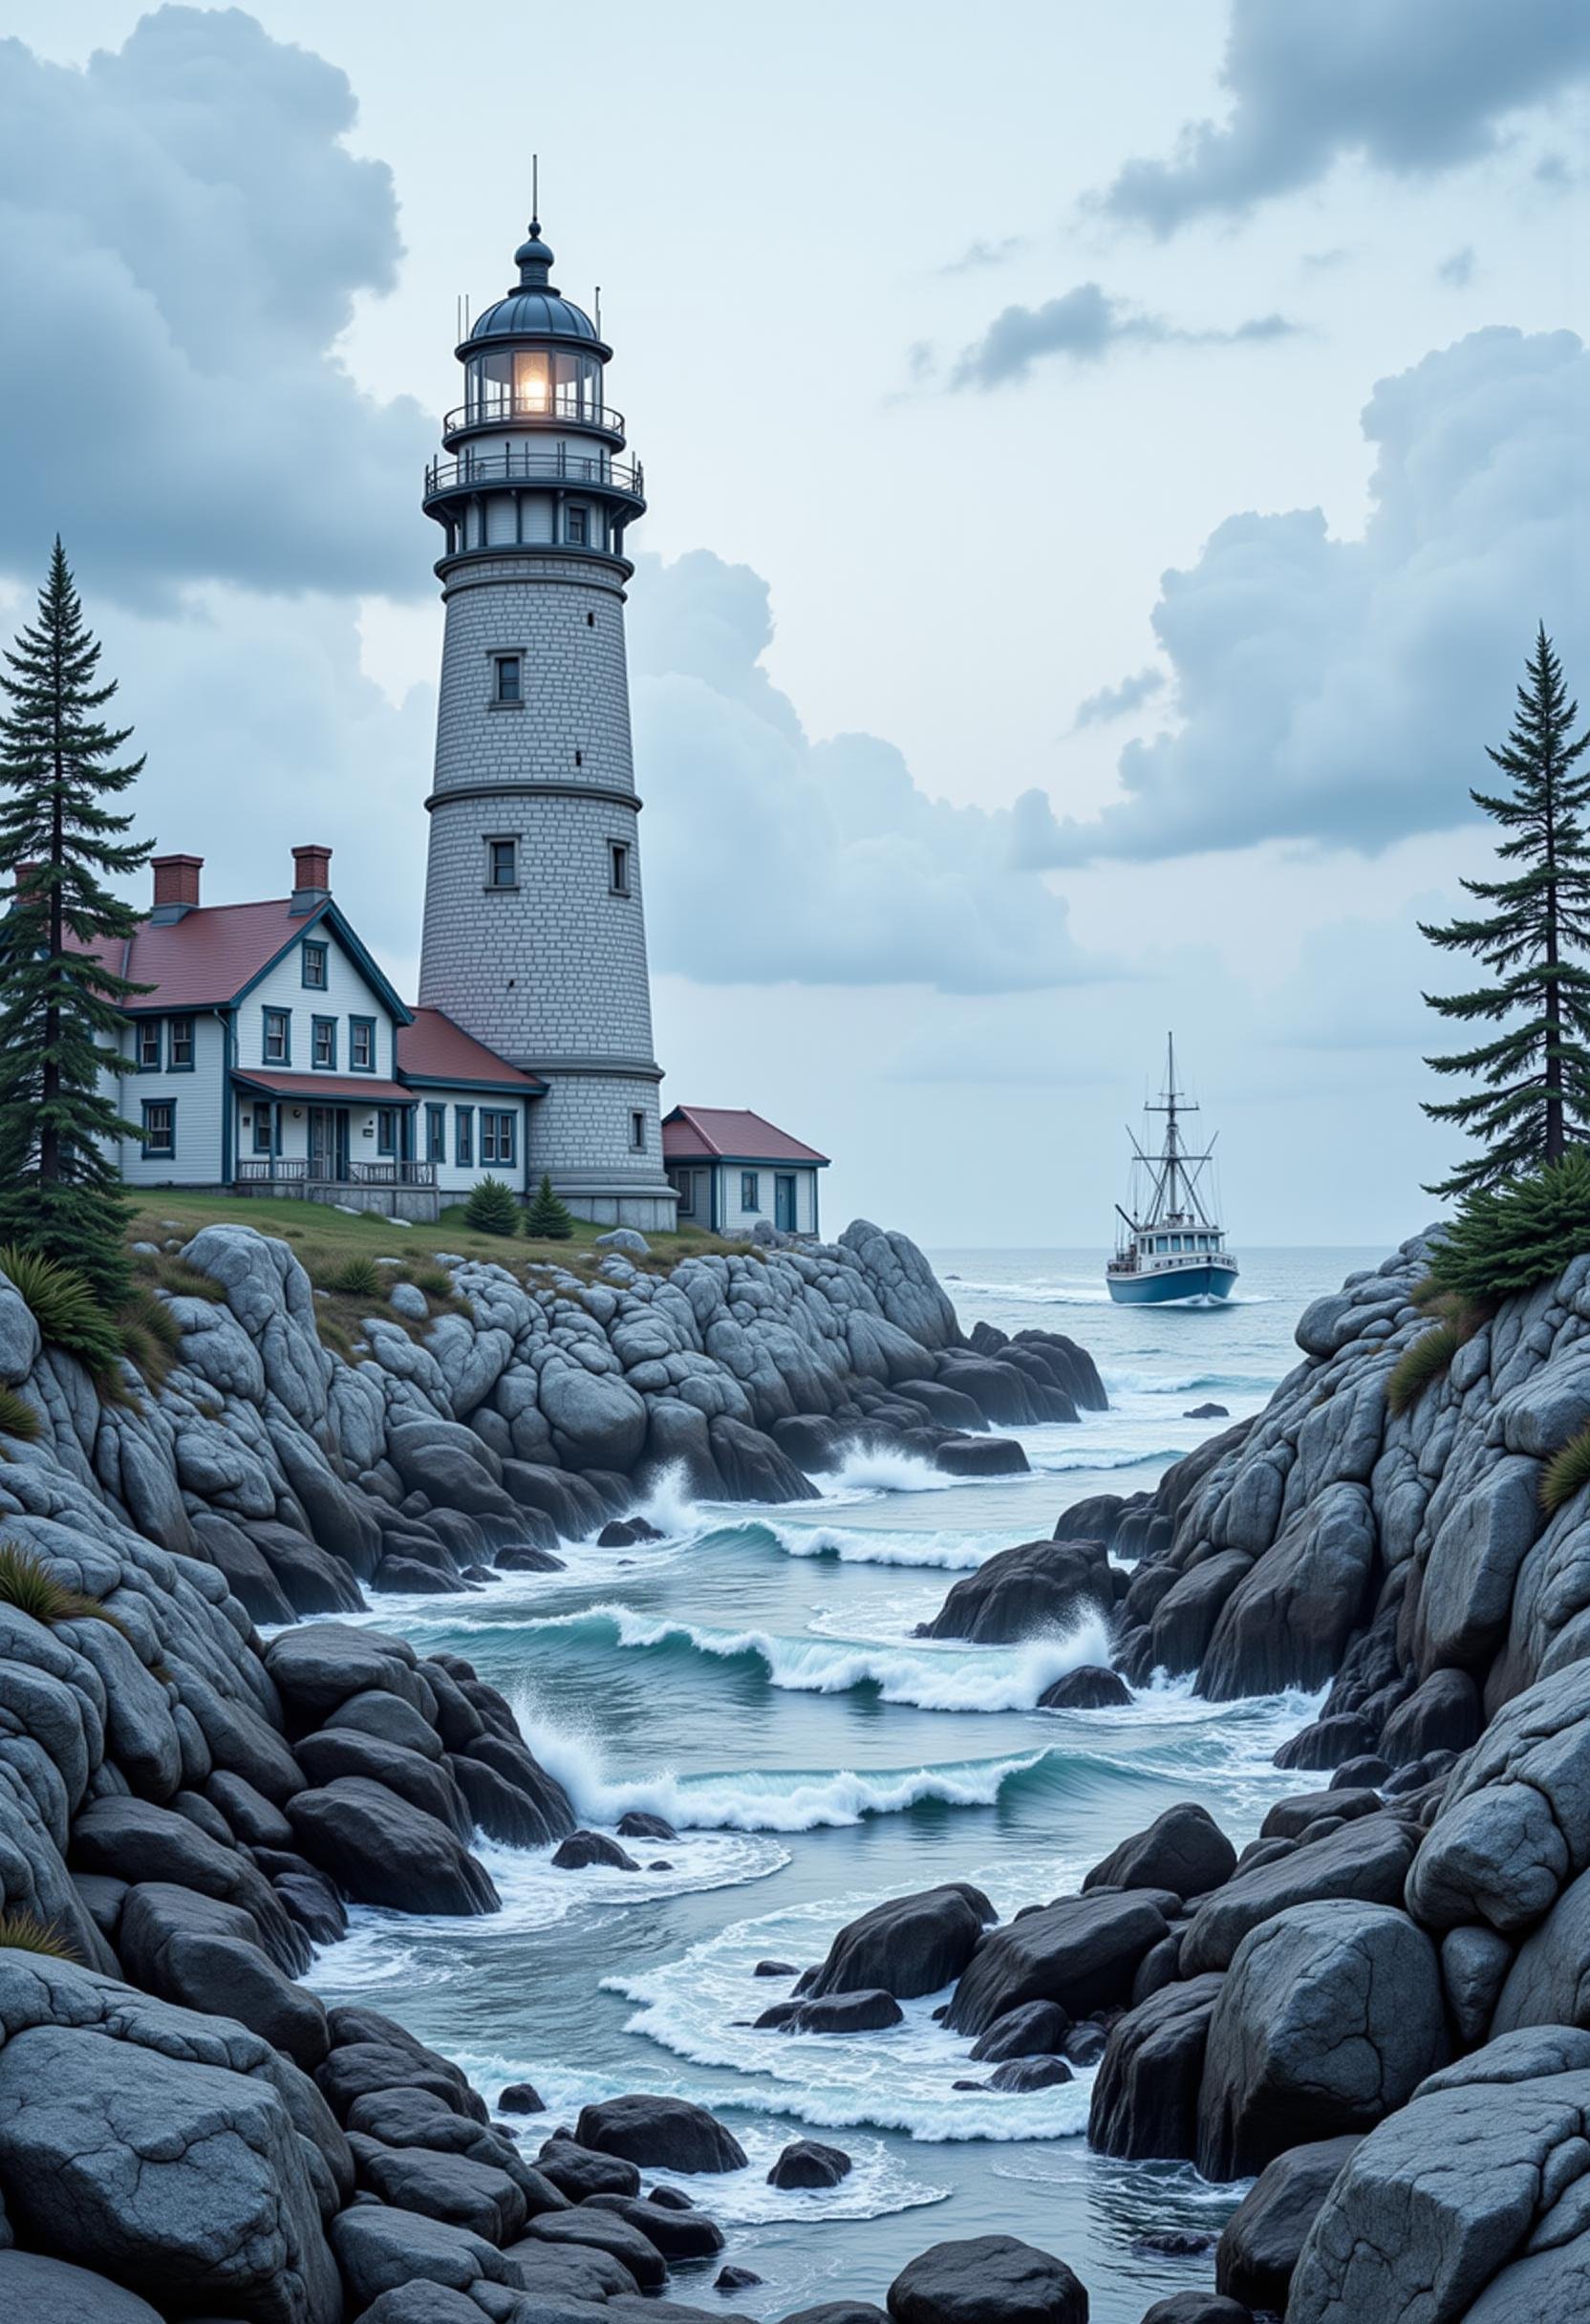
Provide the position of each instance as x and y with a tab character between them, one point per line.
1105	468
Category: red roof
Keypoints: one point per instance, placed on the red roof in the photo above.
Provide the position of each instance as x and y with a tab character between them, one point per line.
432	1048
208	956
721	1133
319	1088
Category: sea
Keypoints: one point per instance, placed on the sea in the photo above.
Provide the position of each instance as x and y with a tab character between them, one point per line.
754	1677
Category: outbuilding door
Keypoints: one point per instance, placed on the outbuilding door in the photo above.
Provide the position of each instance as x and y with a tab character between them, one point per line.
784	1201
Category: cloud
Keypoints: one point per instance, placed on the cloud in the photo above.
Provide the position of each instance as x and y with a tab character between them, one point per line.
1414	89
1119	702
1341	691
1457	272
770	858
185	232
1085	324
980	255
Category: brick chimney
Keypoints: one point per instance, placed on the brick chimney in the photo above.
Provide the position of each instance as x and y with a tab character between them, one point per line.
176	885
311	877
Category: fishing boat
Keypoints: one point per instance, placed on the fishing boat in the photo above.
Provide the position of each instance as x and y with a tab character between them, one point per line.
1172	1247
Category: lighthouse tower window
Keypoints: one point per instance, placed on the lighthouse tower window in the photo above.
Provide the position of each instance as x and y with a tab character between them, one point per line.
576	518
618	867
509	678
502	863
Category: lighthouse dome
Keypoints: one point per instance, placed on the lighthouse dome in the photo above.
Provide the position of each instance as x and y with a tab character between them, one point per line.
536	308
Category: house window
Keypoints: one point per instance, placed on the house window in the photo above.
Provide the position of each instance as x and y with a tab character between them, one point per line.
160	1127
464	1136
436	1134
323	1045
314	967
149	1045
386	1129
618	867
502	863
750	1190
361	1045
577	526
637	1134
509	672
278	1037
178	1044
497	1136
264	1129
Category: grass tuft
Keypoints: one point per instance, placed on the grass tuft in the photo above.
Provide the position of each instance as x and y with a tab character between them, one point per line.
24	1932
65	1309
1567	1472
1426	1359
356	1277
26	1584
434	1282
18	1420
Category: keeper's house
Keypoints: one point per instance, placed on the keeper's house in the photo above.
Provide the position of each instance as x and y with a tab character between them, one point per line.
732	1170
270	1055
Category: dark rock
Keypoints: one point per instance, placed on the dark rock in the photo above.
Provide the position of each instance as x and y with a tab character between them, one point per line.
1034	2029
383	1850
1207	1412
34	2289
1082	1952
1159	1967
1474	1963
503	1754
313	1904
808	2162
636	1824
1084	2044
1286	1623
1330	1742
753	1468
554	2274
1367	1860
1089	1688
1184	1850
1364	1775
317	1666
774	1968
864	2013
257	1821
207	1955
987	2280
1183	1621
688	2234
310	1579
980	1456
406	1578
1442	1713
381	2250
580	2172
247	1569
1197	2308
1290	1819
132	1840
670	2133
520	2098
419	1781
1549	1982
1018	1593
671	2198
909	1946
603	2231
1019	2074
1145	2102
1330	2016
582	1849
838	2311
735	2279
1264	2235
457	2189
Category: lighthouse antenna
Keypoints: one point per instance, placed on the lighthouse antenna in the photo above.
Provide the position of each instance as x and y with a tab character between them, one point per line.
535	187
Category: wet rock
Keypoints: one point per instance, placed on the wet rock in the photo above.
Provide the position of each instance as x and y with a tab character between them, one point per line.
863	2012
1145	2100
1207	1412
636	1824
808	2162
1084	2044
603	2231
1330	1742
735	2279
774	1968
34	2289
1443	1713
208	1956
1368	1860
1184	1618
414	1776
669	2134
1197	2308
1474	1963
380	2250
677	2234
1184	1849
459	2188
383	1850
582	1849
1089	1688
520	2098
1292	1818
1082	1952
318	1665
911	1945
552	2273
1019	1593
1021	2074
838	2311
987	2280
1033	2030
579	2171
980	1456
133	1840
1330	2016
1286	1623
1259	2247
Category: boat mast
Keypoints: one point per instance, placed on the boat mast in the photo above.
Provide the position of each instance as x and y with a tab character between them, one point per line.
1168	1192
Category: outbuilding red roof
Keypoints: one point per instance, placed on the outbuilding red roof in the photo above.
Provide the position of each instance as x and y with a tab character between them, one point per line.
205	957
432	1048
721	1133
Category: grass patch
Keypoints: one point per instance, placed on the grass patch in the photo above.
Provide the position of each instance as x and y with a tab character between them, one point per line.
357	1277
1566	1472
336	1335
65	1309
18	1418
151	1336
434	1282
1424	1360
27	1583
24	1932
169	1271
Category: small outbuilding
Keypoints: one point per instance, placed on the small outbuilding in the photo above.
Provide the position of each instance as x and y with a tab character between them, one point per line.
733	1170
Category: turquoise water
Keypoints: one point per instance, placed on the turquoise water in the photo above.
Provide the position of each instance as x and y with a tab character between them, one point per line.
754	1677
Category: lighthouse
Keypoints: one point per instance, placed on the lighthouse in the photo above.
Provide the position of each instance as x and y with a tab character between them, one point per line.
535	933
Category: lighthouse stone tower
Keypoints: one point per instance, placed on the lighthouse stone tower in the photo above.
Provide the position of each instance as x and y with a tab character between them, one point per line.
534	938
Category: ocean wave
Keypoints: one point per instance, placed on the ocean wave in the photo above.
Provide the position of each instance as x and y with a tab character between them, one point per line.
865	1469
928	1677
950	1553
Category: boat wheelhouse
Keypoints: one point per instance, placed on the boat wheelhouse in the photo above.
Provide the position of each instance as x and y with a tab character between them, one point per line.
1173	1248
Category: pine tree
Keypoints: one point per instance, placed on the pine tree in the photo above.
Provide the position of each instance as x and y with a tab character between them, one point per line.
492	1207
61	997
548	1218
1531	1092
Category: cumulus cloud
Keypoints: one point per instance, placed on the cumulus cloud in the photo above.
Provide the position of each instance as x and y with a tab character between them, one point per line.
1414	89
982	253
1085	324
1341	690
772	858
185	232
1457	272
1119	702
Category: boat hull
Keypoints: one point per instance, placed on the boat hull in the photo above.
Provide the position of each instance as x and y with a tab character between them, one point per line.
1179	1286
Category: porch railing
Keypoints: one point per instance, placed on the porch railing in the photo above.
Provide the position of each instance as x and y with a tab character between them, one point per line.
278	1170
